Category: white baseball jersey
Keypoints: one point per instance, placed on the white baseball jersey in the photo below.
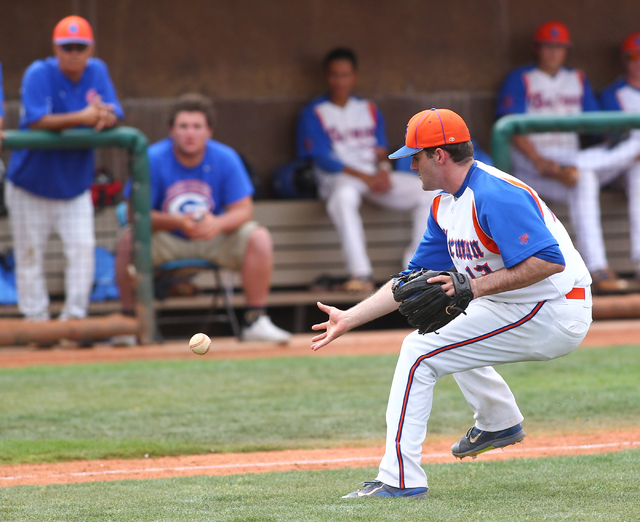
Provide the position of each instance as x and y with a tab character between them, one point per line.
336	136
532	91
496	221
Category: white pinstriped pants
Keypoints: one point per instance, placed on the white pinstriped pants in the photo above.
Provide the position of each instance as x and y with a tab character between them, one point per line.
32	220
491	333
344	194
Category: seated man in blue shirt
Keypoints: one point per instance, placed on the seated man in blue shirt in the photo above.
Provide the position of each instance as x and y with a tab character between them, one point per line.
49	189
202	207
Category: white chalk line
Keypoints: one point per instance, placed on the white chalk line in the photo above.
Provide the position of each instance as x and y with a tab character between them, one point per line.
301	462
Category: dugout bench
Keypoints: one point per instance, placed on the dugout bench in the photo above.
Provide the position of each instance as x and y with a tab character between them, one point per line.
306	246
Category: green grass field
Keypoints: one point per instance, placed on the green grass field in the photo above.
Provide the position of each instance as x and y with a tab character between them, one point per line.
586	488
56	413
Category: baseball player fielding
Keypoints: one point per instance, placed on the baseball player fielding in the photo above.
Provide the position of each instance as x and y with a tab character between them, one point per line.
200	343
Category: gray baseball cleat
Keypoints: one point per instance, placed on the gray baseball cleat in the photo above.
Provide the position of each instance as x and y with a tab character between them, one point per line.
477	441
376	488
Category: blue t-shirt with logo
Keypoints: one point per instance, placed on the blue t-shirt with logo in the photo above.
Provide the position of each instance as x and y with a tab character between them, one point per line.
221	179
58	174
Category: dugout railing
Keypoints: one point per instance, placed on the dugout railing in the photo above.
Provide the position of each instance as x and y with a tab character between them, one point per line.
596	122
135	143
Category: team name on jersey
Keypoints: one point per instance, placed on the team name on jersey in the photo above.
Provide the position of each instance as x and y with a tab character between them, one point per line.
465	249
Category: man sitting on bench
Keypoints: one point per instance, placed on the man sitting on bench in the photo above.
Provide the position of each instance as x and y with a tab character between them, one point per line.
202	207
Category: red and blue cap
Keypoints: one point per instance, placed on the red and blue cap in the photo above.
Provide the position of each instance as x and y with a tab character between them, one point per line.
432	128
631	44
552	33
73	29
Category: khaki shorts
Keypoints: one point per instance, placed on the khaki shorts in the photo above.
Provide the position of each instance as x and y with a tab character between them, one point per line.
227	250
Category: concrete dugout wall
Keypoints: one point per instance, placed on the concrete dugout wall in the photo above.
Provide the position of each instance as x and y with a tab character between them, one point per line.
260	61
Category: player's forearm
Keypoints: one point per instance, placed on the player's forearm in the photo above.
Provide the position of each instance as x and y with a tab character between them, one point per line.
165	221
524	145
379	304
234	218
57	122
526	273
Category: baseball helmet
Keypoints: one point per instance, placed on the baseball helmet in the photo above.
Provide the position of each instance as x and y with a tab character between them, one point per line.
631	44
552	33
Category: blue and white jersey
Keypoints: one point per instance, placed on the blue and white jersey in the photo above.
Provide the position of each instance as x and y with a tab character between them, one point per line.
335	137
218	181
620	96
528	90
58	174
1	95
495	221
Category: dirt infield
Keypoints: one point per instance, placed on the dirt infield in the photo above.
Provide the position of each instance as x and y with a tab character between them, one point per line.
610	333
291	460
602	333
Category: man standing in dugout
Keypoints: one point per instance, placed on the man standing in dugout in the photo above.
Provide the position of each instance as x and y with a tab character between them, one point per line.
529	293
51	188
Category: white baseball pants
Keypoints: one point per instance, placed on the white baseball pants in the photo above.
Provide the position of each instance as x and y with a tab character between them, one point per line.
491	333
32	220
344	194
598	166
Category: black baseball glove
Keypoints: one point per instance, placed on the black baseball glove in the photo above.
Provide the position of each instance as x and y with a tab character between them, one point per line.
426	305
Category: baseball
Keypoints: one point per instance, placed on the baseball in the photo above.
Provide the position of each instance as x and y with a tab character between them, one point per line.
200	343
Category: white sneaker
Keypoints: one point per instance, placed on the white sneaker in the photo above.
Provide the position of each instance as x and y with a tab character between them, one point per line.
263	330
124	341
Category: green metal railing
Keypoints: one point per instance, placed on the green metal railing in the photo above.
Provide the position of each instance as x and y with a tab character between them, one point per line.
601	122
135	142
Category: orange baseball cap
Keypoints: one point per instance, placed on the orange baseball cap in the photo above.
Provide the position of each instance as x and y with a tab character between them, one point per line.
432	128
552	33
73	29
631	44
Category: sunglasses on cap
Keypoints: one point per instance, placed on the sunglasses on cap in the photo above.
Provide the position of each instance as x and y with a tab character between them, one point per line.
69	47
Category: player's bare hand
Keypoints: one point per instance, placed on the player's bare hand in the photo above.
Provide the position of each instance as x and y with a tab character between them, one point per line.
106	117
333	328
205	226
447	284
546	167
90	115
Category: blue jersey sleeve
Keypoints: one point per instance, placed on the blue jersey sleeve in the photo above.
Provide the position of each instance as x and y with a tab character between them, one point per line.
35	93
381	136
237	183
589	101
608	99
313	142
432	252
512	95
514	220
1	95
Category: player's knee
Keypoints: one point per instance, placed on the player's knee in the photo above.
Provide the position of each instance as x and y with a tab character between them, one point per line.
260	242
343	198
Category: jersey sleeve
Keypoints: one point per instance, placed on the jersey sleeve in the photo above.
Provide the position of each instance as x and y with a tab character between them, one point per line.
589	100
36	94
237	183
432	252
512	95
313	142
608	99
513	218
381	136
1	95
